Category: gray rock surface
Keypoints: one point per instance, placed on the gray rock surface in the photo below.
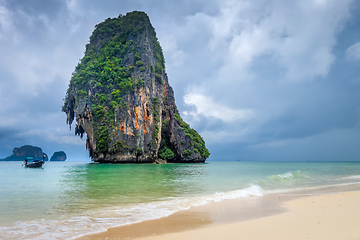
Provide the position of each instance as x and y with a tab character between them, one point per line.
121	99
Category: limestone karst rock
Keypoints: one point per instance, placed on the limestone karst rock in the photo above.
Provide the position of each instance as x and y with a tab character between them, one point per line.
58	156
121	99
19	154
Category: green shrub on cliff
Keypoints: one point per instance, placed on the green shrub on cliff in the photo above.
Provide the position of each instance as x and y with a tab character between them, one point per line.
164	151
196	140
155	107
155	134
120	146
167	154
97	112
139	63
186	153
158	78
82	94
139	83
116	94
102	138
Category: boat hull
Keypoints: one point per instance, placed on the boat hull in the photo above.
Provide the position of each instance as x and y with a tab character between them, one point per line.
34	165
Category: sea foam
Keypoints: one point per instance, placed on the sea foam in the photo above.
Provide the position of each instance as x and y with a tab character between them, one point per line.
101	219
352	177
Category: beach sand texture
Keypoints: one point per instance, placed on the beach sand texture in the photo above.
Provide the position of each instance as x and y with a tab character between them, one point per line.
331	216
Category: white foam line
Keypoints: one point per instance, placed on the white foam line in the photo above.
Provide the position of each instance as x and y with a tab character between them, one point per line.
308	188
80	225
352	177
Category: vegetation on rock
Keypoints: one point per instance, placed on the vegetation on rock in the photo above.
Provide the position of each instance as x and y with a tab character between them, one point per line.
119	95
195	139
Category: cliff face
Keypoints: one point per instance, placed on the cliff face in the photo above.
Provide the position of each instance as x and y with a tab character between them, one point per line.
120	96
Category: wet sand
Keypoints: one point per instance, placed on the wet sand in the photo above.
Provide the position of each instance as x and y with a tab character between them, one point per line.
276	216
225	212
330	217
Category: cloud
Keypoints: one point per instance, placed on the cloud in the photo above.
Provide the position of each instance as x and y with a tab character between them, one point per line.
299	35
169	46
272	144
263	57
332	145
353	52
7	30
225	136
73	6
71	140
207	107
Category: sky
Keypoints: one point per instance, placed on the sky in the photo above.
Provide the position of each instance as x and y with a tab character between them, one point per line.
260	80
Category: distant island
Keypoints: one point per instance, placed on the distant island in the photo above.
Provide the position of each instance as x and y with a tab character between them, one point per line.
58	156
19	154
121	99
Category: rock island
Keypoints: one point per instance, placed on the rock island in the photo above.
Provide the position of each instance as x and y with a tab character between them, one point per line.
120	97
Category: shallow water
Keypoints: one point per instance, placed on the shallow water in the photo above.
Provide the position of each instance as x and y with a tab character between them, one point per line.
63	200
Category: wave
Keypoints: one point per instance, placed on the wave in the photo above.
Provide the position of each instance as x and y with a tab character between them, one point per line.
352	177
101	219
294	175
285	180
289	176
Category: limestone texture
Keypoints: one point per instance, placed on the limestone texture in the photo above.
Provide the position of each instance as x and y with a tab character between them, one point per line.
120	97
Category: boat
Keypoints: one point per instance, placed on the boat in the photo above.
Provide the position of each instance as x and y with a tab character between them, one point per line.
29	162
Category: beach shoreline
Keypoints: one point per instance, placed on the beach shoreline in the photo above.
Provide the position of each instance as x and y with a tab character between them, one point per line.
249	214
333	216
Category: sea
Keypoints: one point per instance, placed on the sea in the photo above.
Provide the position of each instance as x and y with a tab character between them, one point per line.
65	200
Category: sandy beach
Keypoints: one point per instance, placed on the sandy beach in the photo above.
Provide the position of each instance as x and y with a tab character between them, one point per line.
330	216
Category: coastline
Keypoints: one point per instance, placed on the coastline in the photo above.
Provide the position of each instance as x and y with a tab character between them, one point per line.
297	216
333	216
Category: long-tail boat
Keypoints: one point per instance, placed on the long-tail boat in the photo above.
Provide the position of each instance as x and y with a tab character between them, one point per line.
31	163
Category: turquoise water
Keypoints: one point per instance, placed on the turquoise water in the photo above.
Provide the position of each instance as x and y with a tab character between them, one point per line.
64	200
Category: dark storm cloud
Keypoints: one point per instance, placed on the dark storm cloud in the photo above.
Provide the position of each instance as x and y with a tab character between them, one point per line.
7	133
295	95
260	80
